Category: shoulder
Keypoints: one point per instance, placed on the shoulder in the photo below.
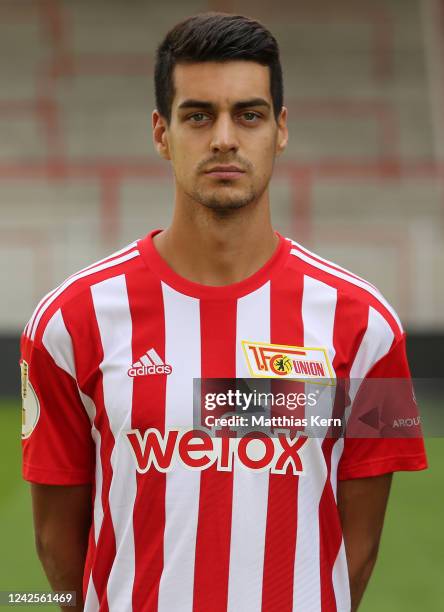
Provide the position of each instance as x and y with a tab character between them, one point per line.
363	311
76	290
353	290
364	321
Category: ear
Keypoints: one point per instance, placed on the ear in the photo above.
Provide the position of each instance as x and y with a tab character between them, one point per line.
282	135
160	134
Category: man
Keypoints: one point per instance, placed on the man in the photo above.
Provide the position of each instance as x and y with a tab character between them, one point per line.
150	517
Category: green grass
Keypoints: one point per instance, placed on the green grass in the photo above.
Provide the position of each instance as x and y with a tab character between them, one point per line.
410	570
20	569
408	575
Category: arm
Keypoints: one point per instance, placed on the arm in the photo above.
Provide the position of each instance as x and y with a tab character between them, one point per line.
62	519
362	503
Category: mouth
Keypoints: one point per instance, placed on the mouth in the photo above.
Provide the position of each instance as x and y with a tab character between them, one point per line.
225	172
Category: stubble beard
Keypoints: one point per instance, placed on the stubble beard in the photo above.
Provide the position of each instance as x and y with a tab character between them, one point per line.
225	203
221	202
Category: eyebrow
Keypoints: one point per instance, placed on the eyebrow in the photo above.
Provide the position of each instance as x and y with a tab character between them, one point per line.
191	103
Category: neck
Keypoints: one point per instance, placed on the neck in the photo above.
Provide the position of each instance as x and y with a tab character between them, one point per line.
211	249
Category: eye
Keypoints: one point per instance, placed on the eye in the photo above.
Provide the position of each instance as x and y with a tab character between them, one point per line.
250	117
198	117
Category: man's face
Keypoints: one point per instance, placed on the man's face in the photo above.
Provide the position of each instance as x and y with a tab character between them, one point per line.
223	138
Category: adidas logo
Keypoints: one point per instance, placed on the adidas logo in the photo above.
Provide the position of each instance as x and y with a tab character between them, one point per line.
149	363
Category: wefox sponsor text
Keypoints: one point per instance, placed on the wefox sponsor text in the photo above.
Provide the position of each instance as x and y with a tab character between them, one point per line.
196	449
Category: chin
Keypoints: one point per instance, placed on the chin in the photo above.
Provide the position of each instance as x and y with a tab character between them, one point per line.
217	200
225	207
222	203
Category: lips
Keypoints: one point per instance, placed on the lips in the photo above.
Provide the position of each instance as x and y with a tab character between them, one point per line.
225	172
224	169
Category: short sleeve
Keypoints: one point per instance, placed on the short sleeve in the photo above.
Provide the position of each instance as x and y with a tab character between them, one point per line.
57	445
363	457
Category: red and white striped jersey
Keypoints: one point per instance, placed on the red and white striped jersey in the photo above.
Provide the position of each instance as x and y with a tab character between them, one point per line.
112	353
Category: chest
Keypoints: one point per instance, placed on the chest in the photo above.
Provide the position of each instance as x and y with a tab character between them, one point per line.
152	380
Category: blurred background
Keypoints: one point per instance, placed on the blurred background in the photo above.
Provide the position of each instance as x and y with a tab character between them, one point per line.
362	183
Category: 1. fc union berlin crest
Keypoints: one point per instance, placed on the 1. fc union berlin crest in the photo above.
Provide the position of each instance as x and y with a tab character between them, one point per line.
290	362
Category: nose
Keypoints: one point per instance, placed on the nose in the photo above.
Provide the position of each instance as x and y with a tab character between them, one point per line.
224	136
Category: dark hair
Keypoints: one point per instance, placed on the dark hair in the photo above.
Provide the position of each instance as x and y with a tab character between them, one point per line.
216	37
